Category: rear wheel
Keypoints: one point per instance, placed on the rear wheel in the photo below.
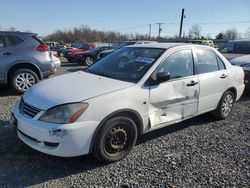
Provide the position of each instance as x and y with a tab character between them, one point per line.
23	79
225	106
115	139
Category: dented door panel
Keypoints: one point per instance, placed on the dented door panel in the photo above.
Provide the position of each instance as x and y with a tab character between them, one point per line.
173	101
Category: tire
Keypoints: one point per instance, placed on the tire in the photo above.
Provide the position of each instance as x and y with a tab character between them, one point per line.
115	139
225	106
23	79
89	60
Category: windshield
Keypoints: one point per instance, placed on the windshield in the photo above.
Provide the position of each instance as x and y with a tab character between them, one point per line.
126	64
236	47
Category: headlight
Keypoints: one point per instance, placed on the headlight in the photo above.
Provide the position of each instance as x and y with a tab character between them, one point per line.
64	114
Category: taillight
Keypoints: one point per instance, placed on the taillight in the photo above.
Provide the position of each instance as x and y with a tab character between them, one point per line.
42	48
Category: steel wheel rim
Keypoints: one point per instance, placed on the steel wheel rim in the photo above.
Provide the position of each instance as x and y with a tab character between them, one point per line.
227	105
118	139
89	60
24	81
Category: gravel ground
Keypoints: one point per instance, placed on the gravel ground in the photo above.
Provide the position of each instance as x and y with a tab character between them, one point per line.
200	152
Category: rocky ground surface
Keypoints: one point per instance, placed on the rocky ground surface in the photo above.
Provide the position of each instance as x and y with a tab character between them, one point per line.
200	152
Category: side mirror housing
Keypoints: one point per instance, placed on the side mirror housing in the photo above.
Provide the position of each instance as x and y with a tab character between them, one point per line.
163	77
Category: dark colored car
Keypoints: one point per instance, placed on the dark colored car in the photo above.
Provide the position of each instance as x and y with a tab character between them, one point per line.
90	56
24	60
238	53
121	44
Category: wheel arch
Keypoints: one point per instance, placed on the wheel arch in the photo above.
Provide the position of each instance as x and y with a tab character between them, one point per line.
233	90
25	65
134	115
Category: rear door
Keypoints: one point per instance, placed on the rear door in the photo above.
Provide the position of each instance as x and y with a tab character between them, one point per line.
176	99
7	57
213	78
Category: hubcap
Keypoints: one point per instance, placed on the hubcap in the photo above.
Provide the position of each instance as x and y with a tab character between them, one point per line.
89	60
227	105
116	140
24	81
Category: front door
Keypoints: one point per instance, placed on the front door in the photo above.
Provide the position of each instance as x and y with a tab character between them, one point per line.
177	98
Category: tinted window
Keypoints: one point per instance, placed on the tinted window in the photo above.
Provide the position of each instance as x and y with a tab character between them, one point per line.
178	64
15	40
2	42
127	64
206	61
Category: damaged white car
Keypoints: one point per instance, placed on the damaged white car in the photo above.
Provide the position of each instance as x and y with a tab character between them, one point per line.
134	90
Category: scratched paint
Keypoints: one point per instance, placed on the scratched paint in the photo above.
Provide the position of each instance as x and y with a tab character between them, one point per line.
58	132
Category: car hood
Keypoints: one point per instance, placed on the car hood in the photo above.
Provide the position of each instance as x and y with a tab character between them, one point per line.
240	60
73	87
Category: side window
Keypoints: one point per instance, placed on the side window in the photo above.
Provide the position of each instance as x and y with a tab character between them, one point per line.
15	40
179	64
2	42
221	64
206	61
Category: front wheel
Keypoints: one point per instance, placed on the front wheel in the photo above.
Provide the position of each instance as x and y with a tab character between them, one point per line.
115	139
225	106
89	60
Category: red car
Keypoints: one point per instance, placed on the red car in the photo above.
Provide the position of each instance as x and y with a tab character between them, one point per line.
82	47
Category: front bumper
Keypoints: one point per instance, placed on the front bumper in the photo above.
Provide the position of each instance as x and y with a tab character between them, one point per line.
66	140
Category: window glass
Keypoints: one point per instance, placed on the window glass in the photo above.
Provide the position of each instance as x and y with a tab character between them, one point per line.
221	64
15	40
178	64
126	64
2	42
206	61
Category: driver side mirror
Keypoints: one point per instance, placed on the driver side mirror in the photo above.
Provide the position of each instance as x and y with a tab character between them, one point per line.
163	77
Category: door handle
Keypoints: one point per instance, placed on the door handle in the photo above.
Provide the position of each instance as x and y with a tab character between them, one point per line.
192	83
6	53
223	76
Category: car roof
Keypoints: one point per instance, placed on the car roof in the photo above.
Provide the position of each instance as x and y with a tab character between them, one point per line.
17	32
162	45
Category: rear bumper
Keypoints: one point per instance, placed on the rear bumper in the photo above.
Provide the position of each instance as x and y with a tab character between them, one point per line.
51	71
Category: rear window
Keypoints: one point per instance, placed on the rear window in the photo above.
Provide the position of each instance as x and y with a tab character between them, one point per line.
15	40
37	39
236	47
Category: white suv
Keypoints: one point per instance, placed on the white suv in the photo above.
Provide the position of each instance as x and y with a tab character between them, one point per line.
134	90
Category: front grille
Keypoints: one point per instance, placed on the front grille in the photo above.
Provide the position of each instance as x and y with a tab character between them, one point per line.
28	110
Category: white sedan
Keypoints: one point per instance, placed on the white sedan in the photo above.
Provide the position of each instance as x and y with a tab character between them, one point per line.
134	90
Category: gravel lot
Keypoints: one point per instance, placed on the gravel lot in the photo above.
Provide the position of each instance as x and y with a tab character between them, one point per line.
200	152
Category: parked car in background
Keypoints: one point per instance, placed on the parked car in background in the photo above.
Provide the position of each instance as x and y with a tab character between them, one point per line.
203	42
55	59
69	53
121	44
24	60
90	56
238	53
134	90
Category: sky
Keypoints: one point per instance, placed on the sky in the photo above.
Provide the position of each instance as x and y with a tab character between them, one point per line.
125	16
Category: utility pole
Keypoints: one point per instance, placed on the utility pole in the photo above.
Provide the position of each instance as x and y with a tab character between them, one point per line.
149	33
181	24
160	30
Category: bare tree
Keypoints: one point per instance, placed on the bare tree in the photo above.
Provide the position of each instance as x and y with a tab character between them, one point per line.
247	34
231	34
195	31
12	29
